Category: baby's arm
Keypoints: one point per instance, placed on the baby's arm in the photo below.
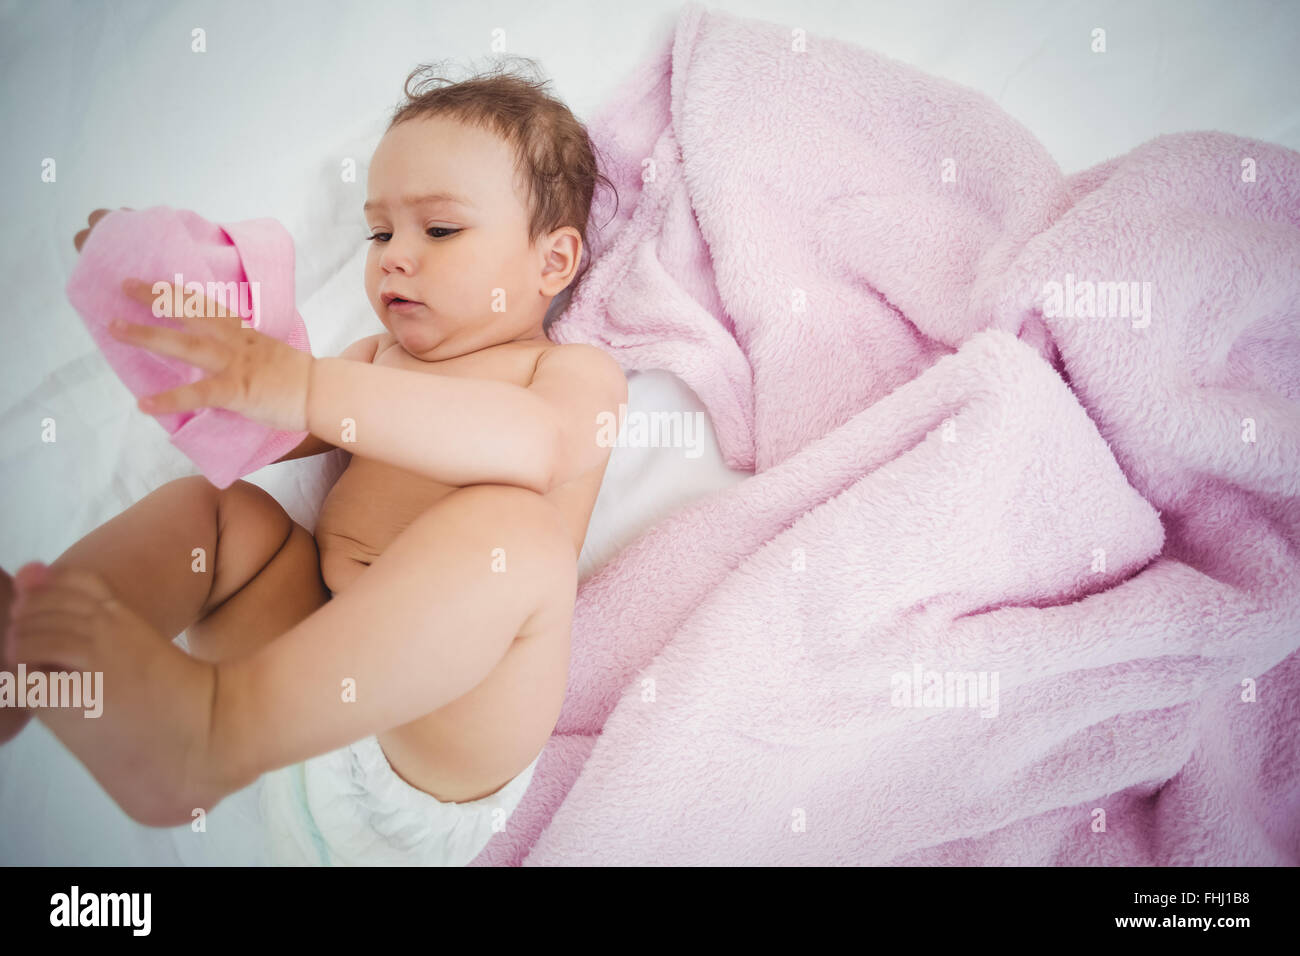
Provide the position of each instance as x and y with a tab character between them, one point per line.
471	431
362	350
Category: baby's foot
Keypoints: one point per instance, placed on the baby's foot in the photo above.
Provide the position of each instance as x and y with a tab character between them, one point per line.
149	748
12	720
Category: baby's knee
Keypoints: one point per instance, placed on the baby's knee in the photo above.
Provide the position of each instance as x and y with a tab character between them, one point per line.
192	491
252	516
250	497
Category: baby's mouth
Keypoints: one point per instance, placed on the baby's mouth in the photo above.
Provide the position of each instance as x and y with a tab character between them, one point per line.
399	303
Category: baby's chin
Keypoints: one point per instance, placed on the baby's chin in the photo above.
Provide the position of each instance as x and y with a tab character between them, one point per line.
419	342
419	338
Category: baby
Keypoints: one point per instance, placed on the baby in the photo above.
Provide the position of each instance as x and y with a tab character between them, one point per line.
421	640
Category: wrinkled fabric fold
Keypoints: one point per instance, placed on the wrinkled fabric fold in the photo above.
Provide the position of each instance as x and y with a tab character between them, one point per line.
1006	425
249	262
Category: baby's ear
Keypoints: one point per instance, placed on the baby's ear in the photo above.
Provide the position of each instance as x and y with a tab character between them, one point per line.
563	253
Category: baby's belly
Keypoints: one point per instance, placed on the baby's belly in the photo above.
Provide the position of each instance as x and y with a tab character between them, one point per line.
368	507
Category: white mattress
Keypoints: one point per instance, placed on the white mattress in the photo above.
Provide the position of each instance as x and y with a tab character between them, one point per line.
259	125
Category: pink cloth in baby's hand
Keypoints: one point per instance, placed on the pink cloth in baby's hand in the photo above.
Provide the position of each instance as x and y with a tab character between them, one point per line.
156	244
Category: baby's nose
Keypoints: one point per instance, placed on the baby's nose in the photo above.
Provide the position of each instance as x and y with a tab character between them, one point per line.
396	258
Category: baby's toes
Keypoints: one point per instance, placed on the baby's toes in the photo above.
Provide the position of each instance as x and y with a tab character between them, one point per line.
52	640
48	598
76	583
39	586
56	619
30	575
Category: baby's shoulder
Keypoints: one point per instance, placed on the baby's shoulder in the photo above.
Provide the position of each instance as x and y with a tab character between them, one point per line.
577	369
367	349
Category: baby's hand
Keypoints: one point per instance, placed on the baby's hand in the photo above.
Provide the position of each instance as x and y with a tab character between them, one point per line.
79	239
253	374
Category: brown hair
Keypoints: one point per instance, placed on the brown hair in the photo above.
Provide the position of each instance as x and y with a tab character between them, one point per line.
552	149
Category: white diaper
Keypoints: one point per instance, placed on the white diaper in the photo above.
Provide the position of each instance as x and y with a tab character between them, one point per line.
349	808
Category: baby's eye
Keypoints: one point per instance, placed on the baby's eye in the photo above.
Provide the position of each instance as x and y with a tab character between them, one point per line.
436	232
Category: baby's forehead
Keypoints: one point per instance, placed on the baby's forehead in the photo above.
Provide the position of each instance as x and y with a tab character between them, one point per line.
442	156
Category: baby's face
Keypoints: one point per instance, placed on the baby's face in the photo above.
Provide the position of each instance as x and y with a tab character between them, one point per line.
450	258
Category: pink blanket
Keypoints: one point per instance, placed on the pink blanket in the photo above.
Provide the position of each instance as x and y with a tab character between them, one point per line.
1016	579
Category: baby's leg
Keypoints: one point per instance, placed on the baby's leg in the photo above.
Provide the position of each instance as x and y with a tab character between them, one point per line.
427	622
431	618
228	564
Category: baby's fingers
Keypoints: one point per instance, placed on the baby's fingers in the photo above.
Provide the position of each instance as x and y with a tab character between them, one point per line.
167	300
187	398
201	351
80	238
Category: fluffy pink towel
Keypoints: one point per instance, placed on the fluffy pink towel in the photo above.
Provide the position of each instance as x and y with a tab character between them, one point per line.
966	464
156	244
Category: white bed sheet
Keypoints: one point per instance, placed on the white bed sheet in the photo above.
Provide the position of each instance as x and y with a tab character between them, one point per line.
259	125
